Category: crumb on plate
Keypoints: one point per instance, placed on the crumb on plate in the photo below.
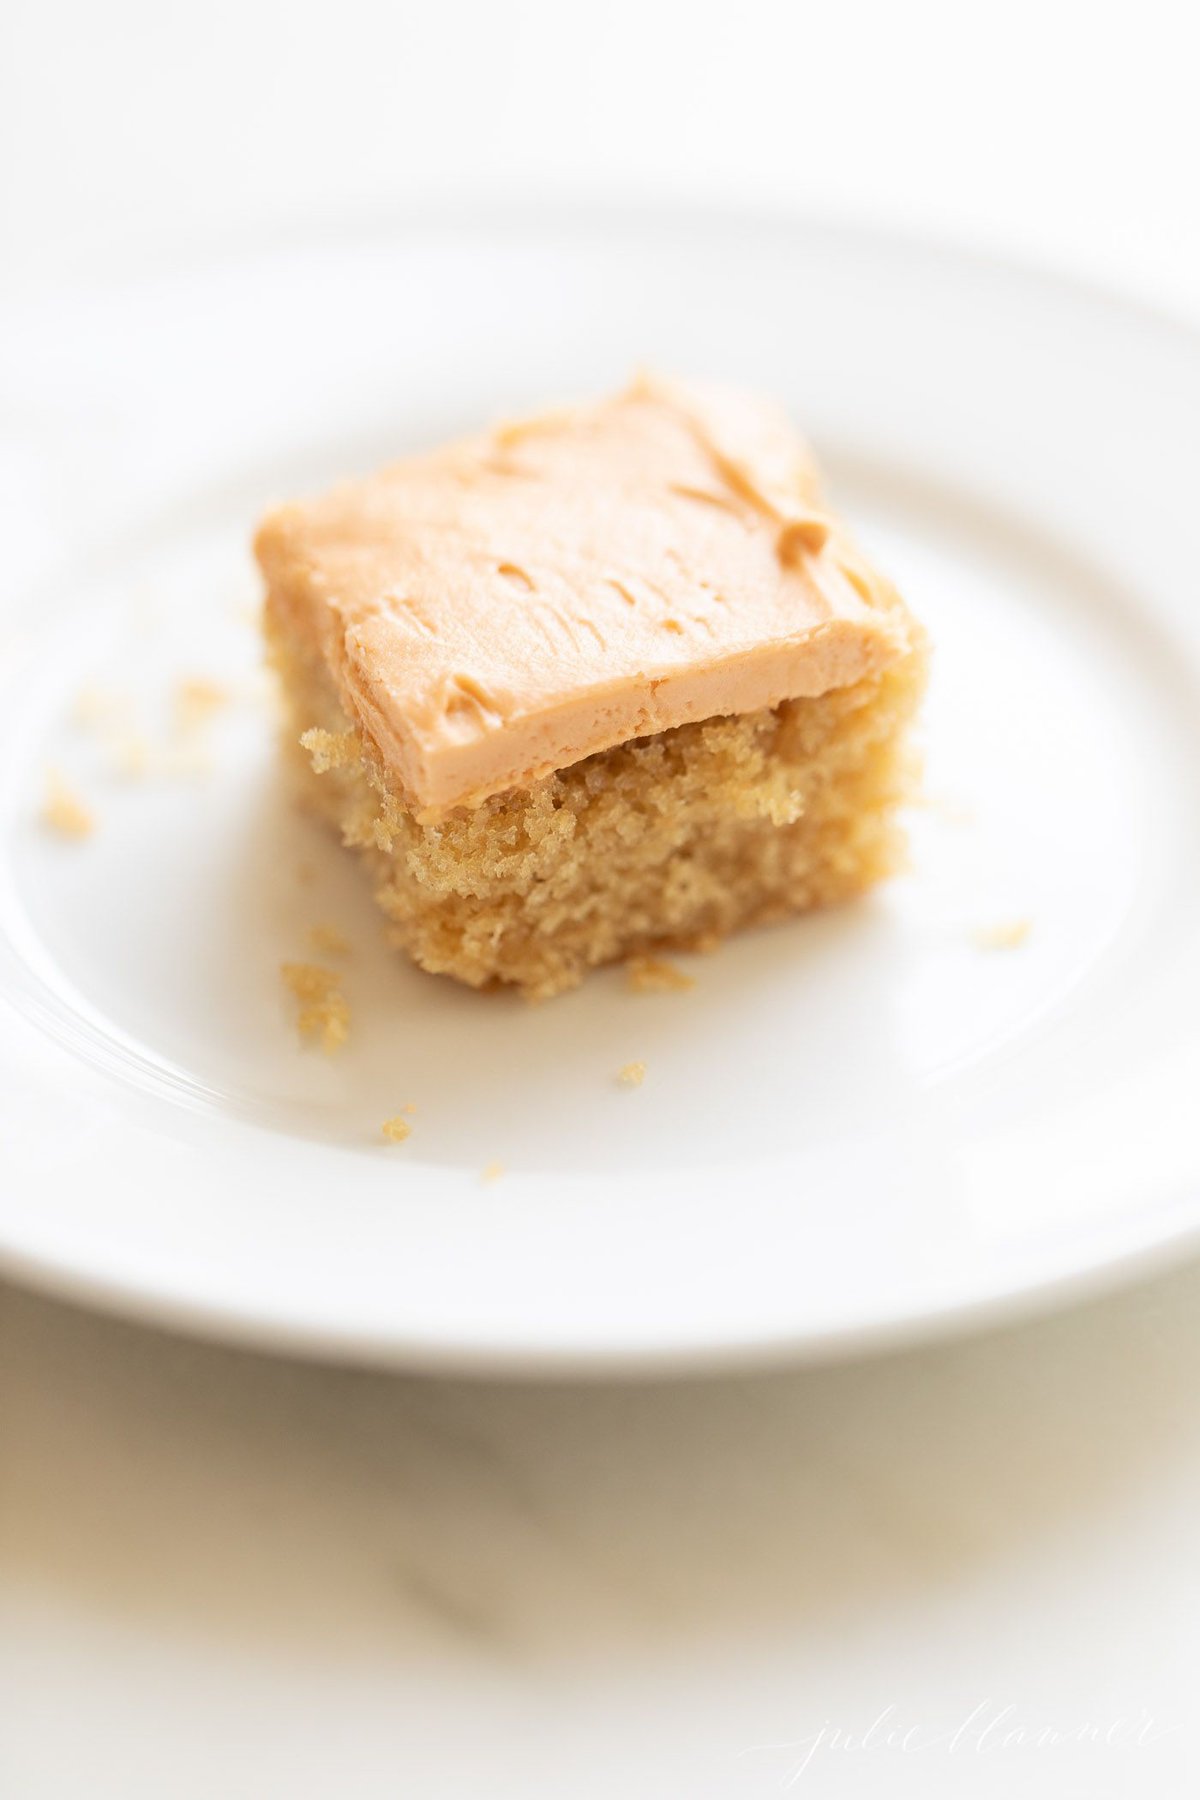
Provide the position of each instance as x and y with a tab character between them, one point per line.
324	1014
651	975
947	808
492	1172
329	941
108	714
195	700
330	749
96	707
132	755
1006	934
632	1075
396	1129
63	811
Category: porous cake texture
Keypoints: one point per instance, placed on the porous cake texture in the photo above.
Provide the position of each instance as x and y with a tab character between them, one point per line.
593	685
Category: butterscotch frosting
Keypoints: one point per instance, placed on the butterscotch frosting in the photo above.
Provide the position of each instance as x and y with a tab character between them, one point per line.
506	606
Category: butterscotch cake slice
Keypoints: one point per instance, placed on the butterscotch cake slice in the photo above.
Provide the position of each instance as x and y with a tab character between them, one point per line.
594	684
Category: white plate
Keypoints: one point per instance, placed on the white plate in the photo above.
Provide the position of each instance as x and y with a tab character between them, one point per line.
856	1128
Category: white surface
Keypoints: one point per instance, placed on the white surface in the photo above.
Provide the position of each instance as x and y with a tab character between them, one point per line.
204	1555
1056	127
857	1125
226	1574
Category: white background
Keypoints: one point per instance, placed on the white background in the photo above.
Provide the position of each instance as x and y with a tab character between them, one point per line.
1061	128
225	1574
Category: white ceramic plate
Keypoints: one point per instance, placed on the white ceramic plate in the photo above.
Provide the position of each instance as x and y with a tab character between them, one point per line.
857	1128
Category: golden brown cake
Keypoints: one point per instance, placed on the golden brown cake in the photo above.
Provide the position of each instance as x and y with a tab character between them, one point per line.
594	684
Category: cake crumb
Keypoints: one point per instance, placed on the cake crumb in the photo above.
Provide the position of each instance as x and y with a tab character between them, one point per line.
1006	934
632	1075
324	1014
946	807
492	1172
650	975
195	700
396	1129
704	943
98	707
130	754
63	811
329	941
329	749
107	715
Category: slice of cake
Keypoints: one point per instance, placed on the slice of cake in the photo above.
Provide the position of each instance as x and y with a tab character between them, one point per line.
595	683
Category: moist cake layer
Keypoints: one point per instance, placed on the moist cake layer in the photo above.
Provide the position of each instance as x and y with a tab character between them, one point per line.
668	842
502	609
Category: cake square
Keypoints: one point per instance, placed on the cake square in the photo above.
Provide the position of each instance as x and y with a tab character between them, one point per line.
594	683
